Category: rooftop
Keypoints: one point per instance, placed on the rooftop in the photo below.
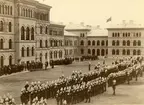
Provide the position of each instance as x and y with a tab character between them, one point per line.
126	24
66	33
97	31
81	26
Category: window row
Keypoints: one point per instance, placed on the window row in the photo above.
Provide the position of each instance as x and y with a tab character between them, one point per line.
99	43
68	51
54	32
2	61
2	26
32	14
126	52
126	43
68	43
2	44
27	34
82	34
56	54
27	52
127	34
5	9
98	52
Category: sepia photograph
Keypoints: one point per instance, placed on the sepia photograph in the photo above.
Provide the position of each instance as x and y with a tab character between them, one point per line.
71	52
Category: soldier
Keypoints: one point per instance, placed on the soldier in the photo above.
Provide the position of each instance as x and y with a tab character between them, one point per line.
88	94
114	86
89	66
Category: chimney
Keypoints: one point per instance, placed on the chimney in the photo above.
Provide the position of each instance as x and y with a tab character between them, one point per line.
124	22
82	23
98	26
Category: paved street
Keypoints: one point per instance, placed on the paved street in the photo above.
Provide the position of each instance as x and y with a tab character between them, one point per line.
126	94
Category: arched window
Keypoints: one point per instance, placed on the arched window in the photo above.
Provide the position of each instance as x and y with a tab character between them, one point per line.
128	34
45	55
32	53
41	29
3	9
93	52
139	34
102	43
82	51
134	43
1	44
102	52
22	33
113	34
10	60
98	43
117	42
10	44
46	43
40	57
98	52
134	52
40	43
107	43
123	34
28	51
27	33
139	43
113	52
139	52
82	42
8	10
22	52
93	42
46	30
1	25
32	33
113	43
106	51
124	42
2	61
89	51
89	42
124	52
128	52
10	27
128	43
118	34
11	10
51	55
117	52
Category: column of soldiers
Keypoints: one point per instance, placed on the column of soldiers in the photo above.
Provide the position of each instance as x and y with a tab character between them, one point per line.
78	84
7	100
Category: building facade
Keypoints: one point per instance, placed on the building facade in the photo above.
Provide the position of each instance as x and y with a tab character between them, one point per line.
26	33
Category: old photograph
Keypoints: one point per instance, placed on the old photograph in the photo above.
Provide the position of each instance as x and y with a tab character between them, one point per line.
71	52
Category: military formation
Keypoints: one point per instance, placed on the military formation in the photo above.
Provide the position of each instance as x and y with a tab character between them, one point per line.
80	86
7	100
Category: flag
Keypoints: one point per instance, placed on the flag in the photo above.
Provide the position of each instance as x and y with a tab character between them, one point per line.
109	19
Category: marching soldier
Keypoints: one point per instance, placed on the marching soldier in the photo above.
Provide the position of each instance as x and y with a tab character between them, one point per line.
89	66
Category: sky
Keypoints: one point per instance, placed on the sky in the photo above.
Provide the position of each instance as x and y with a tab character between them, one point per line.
96	12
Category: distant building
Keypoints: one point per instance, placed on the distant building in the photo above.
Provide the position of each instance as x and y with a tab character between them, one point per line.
117	41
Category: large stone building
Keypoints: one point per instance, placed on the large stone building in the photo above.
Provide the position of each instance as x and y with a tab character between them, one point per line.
116	41
27	34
